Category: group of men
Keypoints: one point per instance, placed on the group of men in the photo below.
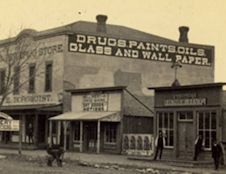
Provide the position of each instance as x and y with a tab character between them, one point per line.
217	149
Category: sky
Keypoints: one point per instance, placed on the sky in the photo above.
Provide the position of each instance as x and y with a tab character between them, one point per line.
205	18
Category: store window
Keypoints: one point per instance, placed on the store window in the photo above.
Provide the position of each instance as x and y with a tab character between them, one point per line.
207	126
16	80
31	88
48	77
2	81
166	125
76	126
185	116
110	133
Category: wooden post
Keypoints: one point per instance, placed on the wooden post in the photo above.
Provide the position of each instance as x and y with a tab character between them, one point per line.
65	135
35	129
50	133
81	135
20	136
98	136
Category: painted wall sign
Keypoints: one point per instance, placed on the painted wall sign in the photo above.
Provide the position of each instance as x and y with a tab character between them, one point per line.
39	51
140	50
138	144
9	125
95	102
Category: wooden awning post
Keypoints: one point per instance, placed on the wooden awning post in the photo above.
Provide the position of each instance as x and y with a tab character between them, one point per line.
50	133
65	135
20	136
98	136
81	135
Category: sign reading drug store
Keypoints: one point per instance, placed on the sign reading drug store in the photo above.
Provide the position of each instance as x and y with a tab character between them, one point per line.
190	54
187	99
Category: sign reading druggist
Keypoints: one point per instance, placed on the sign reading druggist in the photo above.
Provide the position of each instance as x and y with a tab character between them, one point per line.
189	54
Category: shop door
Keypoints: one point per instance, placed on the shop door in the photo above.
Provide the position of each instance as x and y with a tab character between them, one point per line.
90	136
185	139
41	129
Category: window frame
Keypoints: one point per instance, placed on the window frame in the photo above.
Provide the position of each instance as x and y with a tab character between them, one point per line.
16	80
32	78
170	128
2	85
110	128
48	88
208	130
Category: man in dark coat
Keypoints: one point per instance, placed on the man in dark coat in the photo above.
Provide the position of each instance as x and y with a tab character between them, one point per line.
159	143
199	143
216	153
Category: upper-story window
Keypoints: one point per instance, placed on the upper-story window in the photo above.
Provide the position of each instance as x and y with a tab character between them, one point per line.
2	81
16	80
31	87
48	76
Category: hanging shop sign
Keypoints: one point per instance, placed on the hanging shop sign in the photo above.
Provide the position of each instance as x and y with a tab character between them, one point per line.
95	102
194	55
9	125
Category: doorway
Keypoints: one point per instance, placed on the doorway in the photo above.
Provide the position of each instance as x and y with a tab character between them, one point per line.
185	135
90	136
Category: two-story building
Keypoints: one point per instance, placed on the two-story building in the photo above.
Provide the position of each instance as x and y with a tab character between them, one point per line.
91	55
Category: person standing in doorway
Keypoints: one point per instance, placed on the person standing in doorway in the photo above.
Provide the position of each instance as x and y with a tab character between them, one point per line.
30	133
216	153
199	143
159	144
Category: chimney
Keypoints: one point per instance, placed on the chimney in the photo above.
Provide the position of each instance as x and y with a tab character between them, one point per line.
101	23
183	34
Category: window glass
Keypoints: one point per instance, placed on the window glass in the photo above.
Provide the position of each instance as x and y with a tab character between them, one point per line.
16	80
31	79
207	126
166	125
2	81
48	77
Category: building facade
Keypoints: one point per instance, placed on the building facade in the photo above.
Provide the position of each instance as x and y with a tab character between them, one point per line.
184	112
104	119
90	55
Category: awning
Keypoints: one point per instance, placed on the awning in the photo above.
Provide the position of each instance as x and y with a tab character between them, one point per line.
88	116
5	116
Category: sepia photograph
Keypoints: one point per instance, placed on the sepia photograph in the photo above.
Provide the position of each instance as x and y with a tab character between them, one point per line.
112	87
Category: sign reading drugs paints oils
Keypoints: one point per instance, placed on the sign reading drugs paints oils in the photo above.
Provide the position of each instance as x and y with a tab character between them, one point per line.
163	52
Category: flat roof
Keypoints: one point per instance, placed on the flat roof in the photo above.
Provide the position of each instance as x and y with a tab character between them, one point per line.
204	85
96	89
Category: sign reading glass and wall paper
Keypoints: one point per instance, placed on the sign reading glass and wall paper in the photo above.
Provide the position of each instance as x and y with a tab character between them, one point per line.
152	51
9	125
95	102
138	144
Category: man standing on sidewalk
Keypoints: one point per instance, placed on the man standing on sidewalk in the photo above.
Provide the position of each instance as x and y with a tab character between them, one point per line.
199	143
216	153
159	144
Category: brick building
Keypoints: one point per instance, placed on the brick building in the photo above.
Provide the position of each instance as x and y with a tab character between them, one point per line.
98	55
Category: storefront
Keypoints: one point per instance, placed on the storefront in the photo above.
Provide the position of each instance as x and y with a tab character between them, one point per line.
33	112
97	121
184	112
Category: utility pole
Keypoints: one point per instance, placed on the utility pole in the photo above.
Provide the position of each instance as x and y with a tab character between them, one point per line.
176	65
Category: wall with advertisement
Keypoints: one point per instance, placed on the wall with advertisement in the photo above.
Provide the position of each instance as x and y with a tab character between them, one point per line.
45	50
96	101
138	144
102	60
